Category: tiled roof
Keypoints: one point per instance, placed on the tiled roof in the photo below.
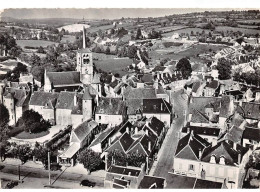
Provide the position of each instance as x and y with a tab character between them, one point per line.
252	110
19	95
156	125
156	106
213	84
190	145
145	78
208	131
104	135
223	149
114	83
225	106
234	134
252	134
199	103
205	184
159	68
66	100
148	181
84	129
110	106
139	93
40	98
199	117
124	170
64	78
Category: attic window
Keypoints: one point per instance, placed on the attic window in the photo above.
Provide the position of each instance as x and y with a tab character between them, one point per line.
249	113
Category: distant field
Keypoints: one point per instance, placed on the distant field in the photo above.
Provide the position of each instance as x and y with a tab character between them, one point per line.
248	26
187	30
34	43
74	27
102	56
235	29
102	28
69	38
170	28
191	52
114	65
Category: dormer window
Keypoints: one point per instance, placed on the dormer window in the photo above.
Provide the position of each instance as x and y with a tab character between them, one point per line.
222	160
249	113
212	159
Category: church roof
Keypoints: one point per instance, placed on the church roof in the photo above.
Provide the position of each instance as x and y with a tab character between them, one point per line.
64	78
86	50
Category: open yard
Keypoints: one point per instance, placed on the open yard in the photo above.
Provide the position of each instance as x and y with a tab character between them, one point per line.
114	65
27	135
34	43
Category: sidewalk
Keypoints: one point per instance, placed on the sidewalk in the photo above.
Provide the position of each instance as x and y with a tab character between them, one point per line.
153	168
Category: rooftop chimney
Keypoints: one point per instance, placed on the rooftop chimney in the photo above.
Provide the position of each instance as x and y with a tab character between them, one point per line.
75	100
149	146
127	130
234	146
136	130
239	159
146	132
200	153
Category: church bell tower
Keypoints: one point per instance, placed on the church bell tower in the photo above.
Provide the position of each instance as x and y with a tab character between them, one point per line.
85	62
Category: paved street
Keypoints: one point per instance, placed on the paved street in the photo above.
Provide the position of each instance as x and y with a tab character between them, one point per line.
40	176
165	161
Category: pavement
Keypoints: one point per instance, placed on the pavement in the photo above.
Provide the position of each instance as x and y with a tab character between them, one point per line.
167	151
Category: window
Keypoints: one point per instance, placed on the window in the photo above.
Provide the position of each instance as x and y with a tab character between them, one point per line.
99	117
191	167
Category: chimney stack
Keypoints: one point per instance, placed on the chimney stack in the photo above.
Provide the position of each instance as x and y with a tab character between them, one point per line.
136	130
239	159
234	146
146	132
75	99
200	153
127	130
188	130
149	146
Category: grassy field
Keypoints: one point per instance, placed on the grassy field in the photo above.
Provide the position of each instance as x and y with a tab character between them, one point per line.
34	43
187	30
114	65
191	52
235	29
102	56
69	38
102	28
27	135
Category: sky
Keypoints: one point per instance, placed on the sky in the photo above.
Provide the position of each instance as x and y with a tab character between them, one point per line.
181	6
101	13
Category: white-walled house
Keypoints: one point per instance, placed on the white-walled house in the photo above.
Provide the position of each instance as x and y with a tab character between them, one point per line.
220	162
110	111
158	108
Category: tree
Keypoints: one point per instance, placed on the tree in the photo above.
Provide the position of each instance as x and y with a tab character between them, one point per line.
40	153
90	159
22	152
33	122
132	50
184	67
41	50
4	120
136	159
224	67
15	73
138	34
107	50
117	158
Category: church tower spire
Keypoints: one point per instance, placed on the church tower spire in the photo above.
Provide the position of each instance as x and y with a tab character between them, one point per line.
84	38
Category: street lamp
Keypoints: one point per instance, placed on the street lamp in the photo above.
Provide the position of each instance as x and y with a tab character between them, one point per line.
49	167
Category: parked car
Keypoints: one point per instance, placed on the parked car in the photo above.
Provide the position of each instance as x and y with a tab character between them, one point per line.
87	183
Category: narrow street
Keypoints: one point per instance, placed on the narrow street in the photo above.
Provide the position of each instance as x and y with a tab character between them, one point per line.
165	161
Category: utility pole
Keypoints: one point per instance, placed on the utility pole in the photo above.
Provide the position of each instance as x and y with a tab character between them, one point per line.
19	172
49	167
